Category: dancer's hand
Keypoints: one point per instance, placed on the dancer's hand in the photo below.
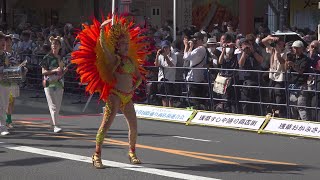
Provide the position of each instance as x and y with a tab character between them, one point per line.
105	23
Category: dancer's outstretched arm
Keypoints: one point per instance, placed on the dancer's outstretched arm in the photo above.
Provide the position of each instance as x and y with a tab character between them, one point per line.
103	42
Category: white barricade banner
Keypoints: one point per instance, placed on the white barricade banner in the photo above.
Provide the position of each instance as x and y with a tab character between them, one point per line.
292	127
161	113
228	120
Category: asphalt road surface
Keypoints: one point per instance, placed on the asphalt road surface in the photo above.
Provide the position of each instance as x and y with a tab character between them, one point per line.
167	150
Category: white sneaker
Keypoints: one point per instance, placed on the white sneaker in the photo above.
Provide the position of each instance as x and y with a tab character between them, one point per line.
56	129
4	133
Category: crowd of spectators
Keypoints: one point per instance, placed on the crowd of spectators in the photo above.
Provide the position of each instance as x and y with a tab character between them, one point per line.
31	43
259	67
260	72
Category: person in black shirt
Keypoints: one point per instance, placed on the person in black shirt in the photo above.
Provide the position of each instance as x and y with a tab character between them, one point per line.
314	55
298	80
249	59
228	60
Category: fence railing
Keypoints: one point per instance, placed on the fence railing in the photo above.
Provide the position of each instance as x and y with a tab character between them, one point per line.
72	85
259	102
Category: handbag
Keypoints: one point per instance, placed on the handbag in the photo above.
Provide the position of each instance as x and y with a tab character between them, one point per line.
220	84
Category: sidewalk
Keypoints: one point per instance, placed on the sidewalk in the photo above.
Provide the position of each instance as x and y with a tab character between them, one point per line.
35	102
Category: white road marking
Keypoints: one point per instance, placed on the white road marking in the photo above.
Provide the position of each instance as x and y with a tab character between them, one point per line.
86	159
194	139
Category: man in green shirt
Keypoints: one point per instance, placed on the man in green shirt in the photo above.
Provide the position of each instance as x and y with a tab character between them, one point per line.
52	71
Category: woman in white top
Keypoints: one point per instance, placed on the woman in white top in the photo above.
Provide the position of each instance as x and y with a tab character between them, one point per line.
276	47
164	59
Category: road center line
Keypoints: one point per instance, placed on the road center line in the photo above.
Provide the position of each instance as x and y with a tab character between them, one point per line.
86	159
197	155
194	139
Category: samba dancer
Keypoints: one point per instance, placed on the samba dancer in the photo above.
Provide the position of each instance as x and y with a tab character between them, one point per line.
4	90
52	71
109	59
14	89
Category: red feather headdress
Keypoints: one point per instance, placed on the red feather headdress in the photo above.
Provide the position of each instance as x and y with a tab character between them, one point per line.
93	66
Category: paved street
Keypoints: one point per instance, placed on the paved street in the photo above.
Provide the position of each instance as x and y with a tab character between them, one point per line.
167	150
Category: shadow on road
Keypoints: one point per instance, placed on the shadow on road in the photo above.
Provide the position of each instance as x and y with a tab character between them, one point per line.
30	161
267	168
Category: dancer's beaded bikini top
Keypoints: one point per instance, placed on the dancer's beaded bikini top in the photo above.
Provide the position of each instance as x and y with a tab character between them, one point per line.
126	66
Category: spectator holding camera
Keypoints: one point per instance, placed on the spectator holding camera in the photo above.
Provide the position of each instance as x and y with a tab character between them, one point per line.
314	55
298	80
25	45
228	60
212	45
275	46
68	38
314	83
164	59
196	53
249	59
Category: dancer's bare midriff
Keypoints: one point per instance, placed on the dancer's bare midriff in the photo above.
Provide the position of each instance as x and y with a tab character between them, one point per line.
124	82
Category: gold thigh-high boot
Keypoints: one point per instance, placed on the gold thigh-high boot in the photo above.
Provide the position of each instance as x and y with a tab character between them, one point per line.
96	157
130	115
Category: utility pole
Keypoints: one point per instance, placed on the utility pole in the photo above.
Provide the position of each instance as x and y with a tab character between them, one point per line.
319	24
96	9
174	20
282	14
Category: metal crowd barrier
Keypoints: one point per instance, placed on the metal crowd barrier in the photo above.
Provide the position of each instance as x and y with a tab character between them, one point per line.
262	88
72	85
151	95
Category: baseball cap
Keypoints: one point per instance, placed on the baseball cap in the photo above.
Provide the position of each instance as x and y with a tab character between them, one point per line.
242	40
198	35
165	44
15	36
298	44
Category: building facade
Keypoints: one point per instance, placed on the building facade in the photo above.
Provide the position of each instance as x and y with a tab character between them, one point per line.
245	14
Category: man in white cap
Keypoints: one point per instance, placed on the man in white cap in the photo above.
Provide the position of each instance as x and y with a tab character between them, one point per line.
298	65
212	45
